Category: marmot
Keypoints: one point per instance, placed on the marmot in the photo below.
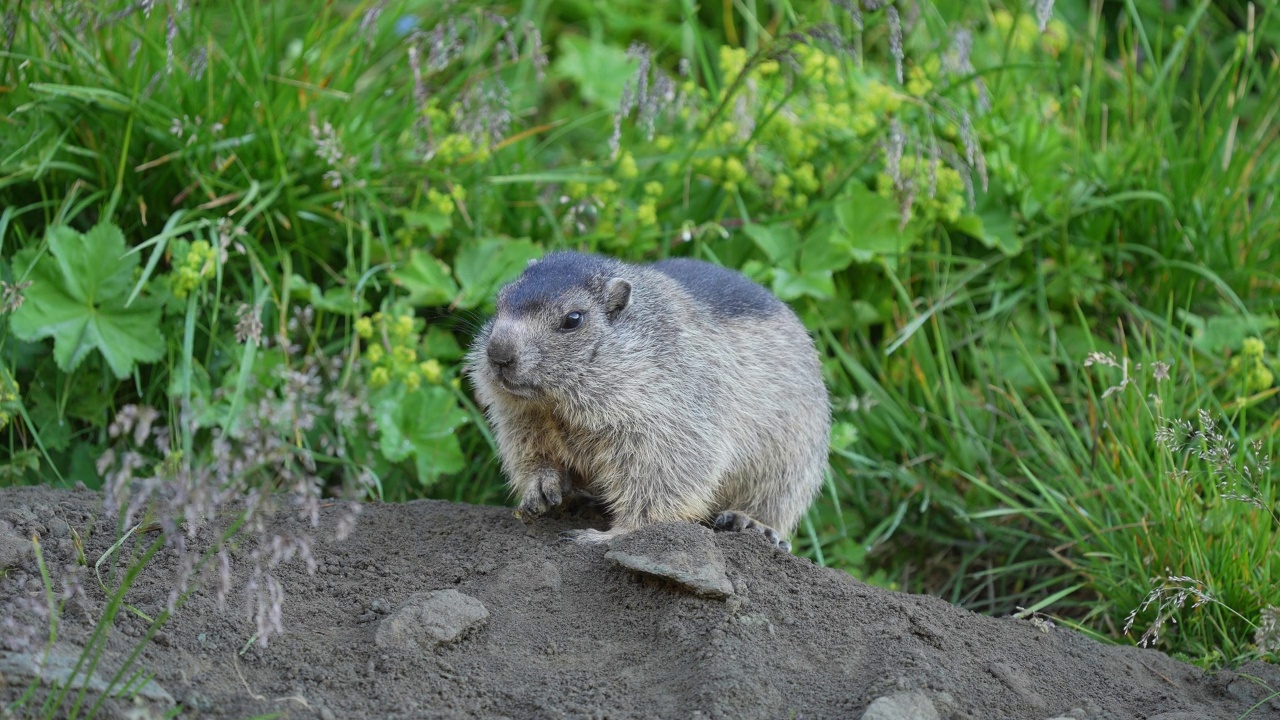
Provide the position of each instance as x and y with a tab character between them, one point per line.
678	390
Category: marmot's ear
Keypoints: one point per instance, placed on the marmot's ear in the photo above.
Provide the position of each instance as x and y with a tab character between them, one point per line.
617	293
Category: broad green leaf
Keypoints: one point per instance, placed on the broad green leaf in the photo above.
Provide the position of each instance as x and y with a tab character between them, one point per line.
337	299
485	265
992	227
870	222
790	285
825	250
1227	332
778	242
441	344
433	222
77	297
426	279
600	71
420	425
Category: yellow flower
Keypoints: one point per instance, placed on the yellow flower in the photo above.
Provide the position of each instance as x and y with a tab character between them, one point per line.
404	354
432	371
376	353
863	122
412	380
732	62
451	147
734	171
403	327
379	377
653	188
918	82
1253	347
881	98
627	169
806	179
647	213
364	328
441	202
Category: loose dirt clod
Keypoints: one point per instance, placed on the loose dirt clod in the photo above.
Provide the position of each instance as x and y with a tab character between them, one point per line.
572	634
428	620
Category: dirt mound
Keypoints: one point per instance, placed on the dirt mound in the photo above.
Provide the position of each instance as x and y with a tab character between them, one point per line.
433	609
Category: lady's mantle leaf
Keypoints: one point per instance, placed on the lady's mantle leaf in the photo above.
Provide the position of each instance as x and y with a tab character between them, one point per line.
77	297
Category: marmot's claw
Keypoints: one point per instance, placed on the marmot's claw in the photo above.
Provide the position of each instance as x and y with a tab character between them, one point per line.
735	521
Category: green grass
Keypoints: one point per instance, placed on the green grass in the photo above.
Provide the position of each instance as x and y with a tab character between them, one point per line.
1106	186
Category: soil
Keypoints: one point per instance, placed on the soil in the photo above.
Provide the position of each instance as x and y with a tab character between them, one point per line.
433	609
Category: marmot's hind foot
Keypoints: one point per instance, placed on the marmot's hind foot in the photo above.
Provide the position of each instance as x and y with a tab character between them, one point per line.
737	521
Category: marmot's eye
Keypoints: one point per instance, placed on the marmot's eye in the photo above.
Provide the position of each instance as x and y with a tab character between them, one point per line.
571	321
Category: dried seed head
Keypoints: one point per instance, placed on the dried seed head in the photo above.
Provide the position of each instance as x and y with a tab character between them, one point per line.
537	56
850	8
248	325
484	113
894	144
895	39
171	34
1044	12
11	295
956	60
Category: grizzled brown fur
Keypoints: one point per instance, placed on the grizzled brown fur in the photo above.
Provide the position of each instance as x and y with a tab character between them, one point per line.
673	391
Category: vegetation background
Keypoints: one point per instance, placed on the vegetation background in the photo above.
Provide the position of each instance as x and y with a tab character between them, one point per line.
1037	245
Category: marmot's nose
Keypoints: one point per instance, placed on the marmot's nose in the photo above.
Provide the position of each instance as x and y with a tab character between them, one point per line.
502	354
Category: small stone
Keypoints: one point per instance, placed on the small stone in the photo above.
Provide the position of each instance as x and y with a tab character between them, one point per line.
59	527
57	669
14	550
913	705
427	620
684	553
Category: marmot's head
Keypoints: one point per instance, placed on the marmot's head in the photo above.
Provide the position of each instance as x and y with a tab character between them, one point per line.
550	325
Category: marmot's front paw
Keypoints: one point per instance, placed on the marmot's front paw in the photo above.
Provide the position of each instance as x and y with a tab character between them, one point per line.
544	491
740	521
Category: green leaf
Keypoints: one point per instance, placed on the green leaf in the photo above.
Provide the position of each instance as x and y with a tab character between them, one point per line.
441	344
485	265
421	425
435	223
338	299
78	297
600	71
992	227
789	285
778	242
426	279
870	224
1227	332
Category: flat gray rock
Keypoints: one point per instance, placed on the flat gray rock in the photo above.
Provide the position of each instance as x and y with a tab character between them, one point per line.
913	705
58	666
429	619
683	553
